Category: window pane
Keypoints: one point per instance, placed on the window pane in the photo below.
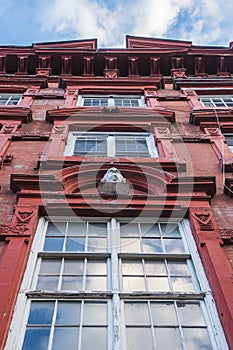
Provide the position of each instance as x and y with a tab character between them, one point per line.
185	310
137	314
74	283
171	230
94	338
150	230
173	245
56	229
134	283
68	313
97	229
73	267
129	230
50	267
155	267
132	268
65	338
77	229
158	284
182	284
178	268
95	283
75	244
96	244
167	338
130	245
196	339
152	245
96	267
36	339
53	244
139	338
41	312
47	283
95	314
163	314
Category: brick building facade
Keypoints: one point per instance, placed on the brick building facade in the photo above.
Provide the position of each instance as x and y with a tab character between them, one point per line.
116	196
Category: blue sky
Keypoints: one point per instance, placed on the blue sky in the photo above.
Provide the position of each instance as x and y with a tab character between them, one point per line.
204	22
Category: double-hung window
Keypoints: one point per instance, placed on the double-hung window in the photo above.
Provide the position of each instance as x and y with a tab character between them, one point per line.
111	144
111	101
217	101
115	284
7	99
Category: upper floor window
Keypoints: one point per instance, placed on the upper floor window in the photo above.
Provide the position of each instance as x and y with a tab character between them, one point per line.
217	101
111	145
110	100
6	99
229	140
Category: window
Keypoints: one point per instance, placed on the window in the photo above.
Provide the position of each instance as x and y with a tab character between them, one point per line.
229	140
91	280
110	100
110	145
9	100
218	101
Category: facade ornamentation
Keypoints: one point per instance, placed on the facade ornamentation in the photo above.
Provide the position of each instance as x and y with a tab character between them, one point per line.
13	229
113	175
204	219
8	128
24	216
213	131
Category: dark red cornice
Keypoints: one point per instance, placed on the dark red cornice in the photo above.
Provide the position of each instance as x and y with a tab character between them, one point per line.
16	113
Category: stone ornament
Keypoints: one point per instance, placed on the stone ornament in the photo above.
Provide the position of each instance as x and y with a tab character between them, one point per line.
113	175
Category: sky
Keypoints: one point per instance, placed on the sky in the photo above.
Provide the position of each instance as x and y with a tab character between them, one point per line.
204	22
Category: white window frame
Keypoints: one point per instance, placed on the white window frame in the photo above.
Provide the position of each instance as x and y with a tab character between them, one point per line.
110	140
111	100
8	99
212	103
118	297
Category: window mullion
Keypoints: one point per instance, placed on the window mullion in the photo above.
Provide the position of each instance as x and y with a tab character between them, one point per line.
51	336
111	149
180	327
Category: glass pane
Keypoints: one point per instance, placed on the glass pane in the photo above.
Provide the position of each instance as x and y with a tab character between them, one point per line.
77	229
75	244
141	145
53	244
185	310
134	283
47	283
163	314
158	284
150	230
41	312
129	229
95	283
139	338
65	338
74	283
182	284
56	229
73	267
96	244
97	229
171	230
196	339
132	268
68	313
96	267
178	268
95	314
94	338
173	245
155	267
137	314
50	267
152	245
130	245
36	339
167	338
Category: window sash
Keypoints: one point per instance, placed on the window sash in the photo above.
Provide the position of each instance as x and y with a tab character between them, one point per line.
112	145
218	101
111	101
6	99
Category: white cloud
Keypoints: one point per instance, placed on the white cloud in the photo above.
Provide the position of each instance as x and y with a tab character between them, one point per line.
205	21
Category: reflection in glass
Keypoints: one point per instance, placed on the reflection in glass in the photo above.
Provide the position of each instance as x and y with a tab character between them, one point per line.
96	244
173	245
95	283
65	338
182	284
128	229
152	245
150	230
36	339
50	266
130	245
163	314
158	284
131	267
74	283
73	267
167	338
68	313
53	244
95	314
41	312
47	283
196	339
56	229
94	338
137	313
97	229
155	267
134	283
75	244
77	228
185	310
139	338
